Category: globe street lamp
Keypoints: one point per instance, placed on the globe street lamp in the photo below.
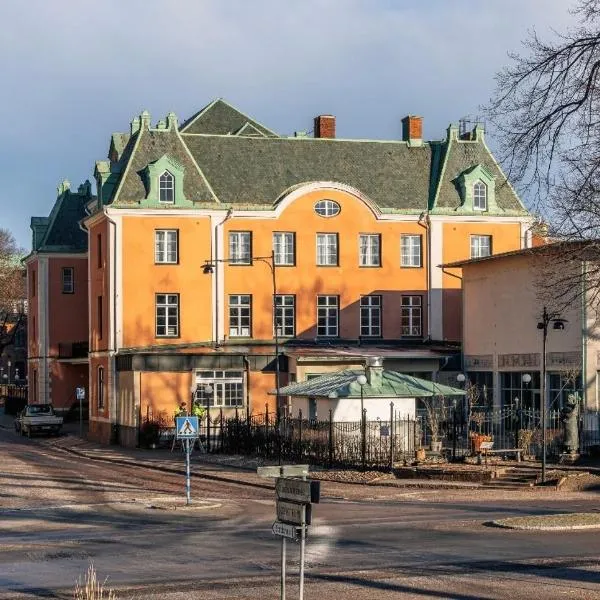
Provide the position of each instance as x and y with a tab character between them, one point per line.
362	381
557	323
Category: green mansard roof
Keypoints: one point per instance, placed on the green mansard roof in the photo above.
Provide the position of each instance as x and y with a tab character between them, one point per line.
227	158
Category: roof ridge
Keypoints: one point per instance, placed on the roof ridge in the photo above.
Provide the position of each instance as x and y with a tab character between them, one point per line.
125	171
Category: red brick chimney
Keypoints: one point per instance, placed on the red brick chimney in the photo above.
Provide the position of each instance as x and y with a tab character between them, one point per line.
325	126
412	129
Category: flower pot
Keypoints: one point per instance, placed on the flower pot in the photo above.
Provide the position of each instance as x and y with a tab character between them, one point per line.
420	454
476	441
436	446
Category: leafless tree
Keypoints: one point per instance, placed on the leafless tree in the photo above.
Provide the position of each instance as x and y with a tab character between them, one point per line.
546	116
12	289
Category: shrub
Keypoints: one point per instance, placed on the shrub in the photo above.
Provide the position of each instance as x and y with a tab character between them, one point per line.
91	588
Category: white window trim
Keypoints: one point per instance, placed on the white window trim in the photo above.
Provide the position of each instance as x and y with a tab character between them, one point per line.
374	257
479	238
410	246
330	208
72	281
370	310
329	307
327	236
411	317
165	244
238	257
217	398
284	308
239	328
485	195
281	257
166	306
171	187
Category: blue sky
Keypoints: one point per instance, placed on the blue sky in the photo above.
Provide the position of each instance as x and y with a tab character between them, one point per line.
74	71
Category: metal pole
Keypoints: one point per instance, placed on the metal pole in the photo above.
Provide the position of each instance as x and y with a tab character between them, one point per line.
80	418
543	393
276	332
454	431
302	545
188	499
282	584
392	432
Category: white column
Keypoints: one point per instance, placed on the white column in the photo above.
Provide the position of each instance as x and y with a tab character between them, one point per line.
436	316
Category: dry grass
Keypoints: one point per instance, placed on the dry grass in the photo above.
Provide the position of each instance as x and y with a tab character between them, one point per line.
91	588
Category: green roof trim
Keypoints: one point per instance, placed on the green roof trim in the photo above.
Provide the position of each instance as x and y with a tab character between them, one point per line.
390	384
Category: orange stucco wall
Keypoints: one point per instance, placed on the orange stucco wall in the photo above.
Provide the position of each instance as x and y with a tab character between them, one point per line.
68	313
161	393
307	280
142	279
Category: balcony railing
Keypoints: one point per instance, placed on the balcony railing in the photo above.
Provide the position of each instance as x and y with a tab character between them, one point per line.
73	350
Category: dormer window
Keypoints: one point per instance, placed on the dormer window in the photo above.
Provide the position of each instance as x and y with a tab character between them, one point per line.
166	188
480	196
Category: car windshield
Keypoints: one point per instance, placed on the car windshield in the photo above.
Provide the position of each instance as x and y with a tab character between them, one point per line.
39	409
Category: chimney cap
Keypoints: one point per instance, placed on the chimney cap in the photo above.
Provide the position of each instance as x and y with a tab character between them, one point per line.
374	361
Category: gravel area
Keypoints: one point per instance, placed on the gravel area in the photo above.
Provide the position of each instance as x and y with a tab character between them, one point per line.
579	481
552	522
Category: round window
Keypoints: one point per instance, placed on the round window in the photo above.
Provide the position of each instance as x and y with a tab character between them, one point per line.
327	208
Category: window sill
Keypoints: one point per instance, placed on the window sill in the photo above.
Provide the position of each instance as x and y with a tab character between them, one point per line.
369	266
411	266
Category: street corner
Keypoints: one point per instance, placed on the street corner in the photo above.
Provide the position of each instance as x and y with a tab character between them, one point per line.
179	503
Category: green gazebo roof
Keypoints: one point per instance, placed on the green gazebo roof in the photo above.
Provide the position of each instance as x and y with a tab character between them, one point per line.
389	384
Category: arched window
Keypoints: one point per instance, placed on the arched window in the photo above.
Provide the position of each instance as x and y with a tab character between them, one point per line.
479	196
166	187
100	388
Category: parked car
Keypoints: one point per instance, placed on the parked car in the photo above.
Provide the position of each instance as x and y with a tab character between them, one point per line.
38	418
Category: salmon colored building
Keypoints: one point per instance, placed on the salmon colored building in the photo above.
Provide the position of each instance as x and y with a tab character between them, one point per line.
57	292
218	245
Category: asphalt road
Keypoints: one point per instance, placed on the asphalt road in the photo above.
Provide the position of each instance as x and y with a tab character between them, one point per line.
60	512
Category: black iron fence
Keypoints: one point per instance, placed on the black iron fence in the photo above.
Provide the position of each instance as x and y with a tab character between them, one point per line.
376	443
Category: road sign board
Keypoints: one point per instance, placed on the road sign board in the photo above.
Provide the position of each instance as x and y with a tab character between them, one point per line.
293	512
283	471
80	393
298	490
286	530
186	428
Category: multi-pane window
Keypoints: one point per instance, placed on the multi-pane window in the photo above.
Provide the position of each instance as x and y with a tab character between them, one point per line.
166	188
327	208
240	316
370	316
220	388
410	250
481	245
167	315
327	316
285	315
100	388
240	247
369	250
411	315
327	249
479	196
284	248
68	283
165	246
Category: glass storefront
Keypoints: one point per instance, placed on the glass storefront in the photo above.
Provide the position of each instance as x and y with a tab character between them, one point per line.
512	387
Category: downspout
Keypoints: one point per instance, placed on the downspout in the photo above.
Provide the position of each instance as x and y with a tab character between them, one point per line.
216	261
425	222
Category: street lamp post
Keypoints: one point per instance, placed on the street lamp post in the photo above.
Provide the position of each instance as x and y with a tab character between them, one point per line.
557	323
208	268
208	393
362	381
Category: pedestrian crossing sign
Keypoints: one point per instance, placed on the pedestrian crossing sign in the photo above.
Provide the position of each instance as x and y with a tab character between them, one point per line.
186	428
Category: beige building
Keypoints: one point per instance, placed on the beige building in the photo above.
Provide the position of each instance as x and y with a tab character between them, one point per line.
503	305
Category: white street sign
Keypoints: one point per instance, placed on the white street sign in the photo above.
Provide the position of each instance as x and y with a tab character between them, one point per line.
286	530
80	393
283	471
293	513
298	490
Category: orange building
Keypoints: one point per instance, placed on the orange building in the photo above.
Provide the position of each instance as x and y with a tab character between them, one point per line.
217	243
57	291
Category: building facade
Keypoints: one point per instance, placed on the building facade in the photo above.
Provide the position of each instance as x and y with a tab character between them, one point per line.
57	297
216	245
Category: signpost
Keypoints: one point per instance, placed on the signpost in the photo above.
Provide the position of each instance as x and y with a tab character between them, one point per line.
186	428
295	494
80	395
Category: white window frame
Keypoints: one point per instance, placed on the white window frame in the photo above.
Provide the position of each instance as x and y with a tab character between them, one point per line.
328	306
166	188
411	318
370	311
480	195
167	308
479	243
166	246
369	250
327	250
411	251
284	248
227	388
284	309
327	208
240	315
68	283
240	247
